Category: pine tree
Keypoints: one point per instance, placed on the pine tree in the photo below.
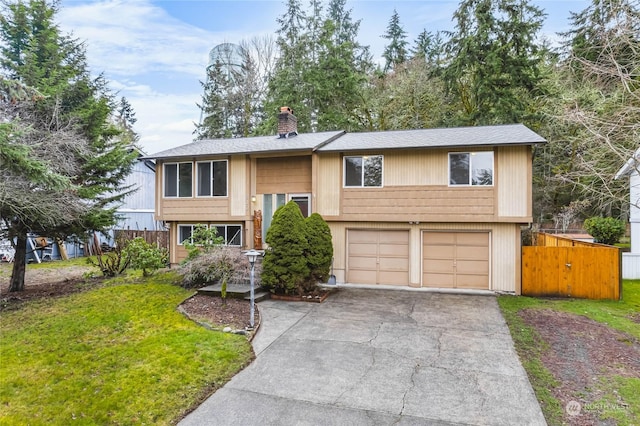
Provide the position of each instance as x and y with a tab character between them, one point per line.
74	116
494	61
215	121
395	52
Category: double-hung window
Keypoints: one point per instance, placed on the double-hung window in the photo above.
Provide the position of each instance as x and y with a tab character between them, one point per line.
212	178
363	171
471	168
178	179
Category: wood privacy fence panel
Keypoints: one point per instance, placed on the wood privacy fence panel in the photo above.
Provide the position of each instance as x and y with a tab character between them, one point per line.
582	270
159	239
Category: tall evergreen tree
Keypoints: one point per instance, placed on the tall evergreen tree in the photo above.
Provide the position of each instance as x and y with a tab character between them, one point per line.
215	107
395	52
36	53
494	60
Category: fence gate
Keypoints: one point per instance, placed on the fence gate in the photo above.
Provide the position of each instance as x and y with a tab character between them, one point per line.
574	269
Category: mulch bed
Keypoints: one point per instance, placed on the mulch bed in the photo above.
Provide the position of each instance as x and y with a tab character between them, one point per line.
219	313
582	355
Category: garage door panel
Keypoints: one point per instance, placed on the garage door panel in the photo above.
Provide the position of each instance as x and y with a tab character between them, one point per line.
472	281
456	259
362	262
479	239
362	276
378	257
438	266
472	267
361	249
439	238
475	253
393	264
394	250
439	252
438	280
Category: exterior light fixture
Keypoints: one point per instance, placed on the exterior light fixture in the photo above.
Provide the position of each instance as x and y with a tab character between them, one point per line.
252	255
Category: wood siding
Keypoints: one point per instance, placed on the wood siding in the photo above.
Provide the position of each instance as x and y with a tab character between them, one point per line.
513	181
418	203
238	186
329	185
415	168
288	175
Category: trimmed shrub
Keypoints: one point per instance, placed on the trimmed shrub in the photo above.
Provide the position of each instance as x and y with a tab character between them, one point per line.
320	251
221	264
145	256
605	230
284	268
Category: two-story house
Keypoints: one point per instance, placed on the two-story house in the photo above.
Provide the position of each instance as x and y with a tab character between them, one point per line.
439	208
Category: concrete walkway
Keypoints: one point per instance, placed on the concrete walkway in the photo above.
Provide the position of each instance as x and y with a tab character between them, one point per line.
371	357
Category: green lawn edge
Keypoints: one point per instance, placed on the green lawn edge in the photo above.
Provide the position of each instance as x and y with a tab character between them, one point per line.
613	313
117	354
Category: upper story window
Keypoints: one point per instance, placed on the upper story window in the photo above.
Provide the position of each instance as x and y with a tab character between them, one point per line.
212	178
471	168
178	179
363	171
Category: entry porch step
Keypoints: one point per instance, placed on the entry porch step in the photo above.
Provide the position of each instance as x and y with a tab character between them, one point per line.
235	291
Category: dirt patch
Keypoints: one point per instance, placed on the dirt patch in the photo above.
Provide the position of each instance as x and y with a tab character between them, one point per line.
218	313
43	282
583	354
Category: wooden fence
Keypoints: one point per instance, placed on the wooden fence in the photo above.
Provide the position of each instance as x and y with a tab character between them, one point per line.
159	239
559	266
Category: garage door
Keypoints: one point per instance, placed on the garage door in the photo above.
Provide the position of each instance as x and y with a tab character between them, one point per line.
455	260
378	257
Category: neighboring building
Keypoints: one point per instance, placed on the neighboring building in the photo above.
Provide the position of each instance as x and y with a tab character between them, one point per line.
136	211
439	208
631	261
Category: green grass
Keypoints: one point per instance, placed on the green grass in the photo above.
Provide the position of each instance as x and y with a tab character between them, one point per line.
615	314
119	354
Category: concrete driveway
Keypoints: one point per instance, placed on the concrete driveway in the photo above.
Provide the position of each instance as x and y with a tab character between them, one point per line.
373	357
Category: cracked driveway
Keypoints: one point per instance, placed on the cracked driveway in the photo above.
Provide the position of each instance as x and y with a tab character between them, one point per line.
378	357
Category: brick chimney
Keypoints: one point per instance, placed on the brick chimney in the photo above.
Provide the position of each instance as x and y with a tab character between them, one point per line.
287	123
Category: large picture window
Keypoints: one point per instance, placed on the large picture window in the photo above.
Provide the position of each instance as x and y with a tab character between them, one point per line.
178	178
232	234
212	178
471	168
363	171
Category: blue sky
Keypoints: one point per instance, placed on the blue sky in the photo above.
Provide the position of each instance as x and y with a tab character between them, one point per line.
155	52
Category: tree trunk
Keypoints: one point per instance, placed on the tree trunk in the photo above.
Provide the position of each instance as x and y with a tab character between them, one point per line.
19	262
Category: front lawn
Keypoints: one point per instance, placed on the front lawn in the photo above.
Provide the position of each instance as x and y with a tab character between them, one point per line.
583	351
118	354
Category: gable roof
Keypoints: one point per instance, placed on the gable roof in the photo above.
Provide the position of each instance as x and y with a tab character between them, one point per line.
630	166
252	145
511	134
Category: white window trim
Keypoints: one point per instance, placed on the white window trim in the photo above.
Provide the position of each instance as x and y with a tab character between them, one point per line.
164	179
211	171
209	226
344	171
180	225
469	184
307	195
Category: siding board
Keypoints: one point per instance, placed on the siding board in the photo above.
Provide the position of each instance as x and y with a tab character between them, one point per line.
283	175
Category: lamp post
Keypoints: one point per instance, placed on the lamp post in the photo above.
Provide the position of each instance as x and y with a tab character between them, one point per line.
252	255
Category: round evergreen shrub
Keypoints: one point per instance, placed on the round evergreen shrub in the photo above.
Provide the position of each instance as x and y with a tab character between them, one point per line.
284	267
320	252
605	230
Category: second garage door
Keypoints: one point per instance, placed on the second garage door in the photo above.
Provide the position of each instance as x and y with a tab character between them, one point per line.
455	260
378	257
